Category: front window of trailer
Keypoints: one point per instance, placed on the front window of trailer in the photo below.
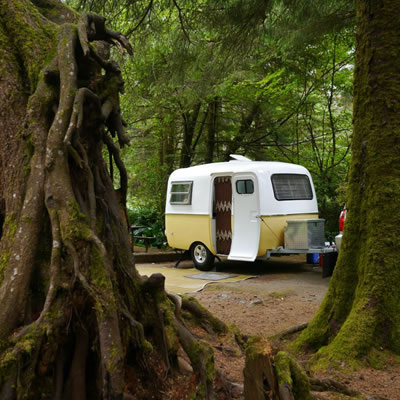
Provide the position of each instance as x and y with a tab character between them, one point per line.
181	192
291	187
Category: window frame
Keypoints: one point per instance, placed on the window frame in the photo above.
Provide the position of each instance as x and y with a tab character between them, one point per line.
245	186
189	192
293	199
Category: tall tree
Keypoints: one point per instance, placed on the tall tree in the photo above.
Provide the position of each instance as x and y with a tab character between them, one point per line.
69	293
359	314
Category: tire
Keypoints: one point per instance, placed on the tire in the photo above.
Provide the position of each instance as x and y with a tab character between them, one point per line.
202	258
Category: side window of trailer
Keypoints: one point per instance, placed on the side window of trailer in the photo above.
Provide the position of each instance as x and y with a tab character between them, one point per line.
181	192
291	187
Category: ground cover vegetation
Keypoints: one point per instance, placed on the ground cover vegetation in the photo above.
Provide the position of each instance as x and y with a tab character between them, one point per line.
204	81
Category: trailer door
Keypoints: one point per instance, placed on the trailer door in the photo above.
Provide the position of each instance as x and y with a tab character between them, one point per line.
246	221
223	214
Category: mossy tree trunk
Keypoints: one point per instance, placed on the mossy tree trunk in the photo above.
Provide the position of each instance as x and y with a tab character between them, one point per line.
76	320
360	312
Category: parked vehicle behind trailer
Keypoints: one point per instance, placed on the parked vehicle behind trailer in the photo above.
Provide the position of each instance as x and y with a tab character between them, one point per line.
242	210
342	219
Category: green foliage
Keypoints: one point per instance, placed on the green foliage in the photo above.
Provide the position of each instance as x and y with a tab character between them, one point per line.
152	223
268	80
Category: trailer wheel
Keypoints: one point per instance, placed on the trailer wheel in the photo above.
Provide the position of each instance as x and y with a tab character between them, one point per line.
202	258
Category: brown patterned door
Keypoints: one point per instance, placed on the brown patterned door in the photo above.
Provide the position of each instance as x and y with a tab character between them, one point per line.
223	213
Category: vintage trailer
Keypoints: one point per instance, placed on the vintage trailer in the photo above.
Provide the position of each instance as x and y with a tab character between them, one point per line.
240	210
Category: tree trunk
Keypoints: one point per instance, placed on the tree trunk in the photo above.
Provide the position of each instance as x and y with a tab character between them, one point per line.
213	107
189	127
75	316
245	129
359	314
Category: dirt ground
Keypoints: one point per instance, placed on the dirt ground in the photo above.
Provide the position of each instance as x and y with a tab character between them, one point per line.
285	293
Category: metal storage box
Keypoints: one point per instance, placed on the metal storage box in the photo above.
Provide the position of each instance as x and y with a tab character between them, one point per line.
305	234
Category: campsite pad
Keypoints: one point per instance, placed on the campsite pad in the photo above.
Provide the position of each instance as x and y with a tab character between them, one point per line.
188	280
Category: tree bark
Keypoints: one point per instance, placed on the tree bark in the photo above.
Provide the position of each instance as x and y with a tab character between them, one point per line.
359	314
212	127
69	292
189	127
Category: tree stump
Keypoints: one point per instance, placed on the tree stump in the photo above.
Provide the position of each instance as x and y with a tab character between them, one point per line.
259	374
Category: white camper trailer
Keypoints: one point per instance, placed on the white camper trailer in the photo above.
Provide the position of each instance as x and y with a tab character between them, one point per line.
240	210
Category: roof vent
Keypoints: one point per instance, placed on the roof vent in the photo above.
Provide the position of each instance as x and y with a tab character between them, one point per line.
238	157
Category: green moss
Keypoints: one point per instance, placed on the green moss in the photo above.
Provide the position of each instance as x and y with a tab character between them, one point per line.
32	35
4	260
58	12
282	294
147	346
199	351
290	374
352	343
10	227
115	356
9	232
217	325
283	370
7	369
253	347
378	359
97	270
23	348
28	149
168	308
8	59
77	227
200	393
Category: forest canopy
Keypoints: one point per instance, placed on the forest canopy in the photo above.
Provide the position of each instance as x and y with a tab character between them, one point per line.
270	80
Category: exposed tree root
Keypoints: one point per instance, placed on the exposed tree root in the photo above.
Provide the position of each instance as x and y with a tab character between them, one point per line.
203	316
292	330
329	385
71	246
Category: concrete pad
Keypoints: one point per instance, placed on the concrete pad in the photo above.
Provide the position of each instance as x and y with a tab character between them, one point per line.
188	280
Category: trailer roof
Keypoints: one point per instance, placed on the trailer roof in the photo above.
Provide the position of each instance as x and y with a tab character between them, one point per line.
238	166
202	178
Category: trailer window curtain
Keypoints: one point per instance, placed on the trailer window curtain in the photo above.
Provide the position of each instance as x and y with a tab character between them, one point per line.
181	193
291	187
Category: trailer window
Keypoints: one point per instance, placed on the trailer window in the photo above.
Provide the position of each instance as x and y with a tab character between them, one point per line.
245	186
181	193
292	187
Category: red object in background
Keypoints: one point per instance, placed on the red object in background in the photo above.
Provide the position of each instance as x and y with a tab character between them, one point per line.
342	218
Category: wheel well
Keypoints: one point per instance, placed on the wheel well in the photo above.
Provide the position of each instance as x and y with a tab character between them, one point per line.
194	244
208	248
